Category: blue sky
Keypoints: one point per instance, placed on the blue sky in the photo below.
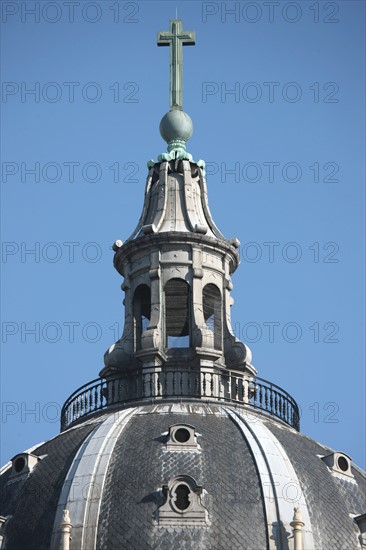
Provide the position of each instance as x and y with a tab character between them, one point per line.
275	91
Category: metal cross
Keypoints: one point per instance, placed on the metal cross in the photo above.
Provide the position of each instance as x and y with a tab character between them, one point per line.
176	39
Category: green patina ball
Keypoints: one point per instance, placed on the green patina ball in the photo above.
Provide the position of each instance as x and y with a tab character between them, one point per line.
176	125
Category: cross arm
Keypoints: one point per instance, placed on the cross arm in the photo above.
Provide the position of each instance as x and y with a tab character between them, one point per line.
166	38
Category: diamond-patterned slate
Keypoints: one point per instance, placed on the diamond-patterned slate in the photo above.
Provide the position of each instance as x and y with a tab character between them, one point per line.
32	503
140	465
330	499
224	466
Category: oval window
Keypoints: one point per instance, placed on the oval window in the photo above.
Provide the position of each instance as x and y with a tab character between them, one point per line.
19	464
182	497
182	435
342	464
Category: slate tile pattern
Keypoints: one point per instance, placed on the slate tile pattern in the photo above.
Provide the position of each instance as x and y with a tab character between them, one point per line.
140	465
330	500
33	502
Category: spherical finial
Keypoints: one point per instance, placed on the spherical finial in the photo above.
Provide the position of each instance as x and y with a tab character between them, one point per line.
176	125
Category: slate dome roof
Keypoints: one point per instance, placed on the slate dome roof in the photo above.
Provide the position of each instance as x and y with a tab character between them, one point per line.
111	472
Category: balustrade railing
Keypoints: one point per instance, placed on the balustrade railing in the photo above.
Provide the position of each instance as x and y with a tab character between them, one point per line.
230	386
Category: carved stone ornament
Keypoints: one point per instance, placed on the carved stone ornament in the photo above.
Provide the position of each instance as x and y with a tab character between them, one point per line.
182	505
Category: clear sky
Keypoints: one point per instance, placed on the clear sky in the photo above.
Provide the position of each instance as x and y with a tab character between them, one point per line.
275	91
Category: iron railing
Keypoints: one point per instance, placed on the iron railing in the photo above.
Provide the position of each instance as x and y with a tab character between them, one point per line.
176	384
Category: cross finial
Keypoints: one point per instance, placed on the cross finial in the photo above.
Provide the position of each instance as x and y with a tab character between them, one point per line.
176	38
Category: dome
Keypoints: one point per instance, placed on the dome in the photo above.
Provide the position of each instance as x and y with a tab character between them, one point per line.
243	471
185	208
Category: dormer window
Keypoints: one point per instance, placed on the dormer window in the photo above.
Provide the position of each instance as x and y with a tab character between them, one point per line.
23	464
182	505
339	463
182	437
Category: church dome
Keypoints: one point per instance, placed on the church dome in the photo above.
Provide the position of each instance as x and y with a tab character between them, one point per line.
187	475
178	443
